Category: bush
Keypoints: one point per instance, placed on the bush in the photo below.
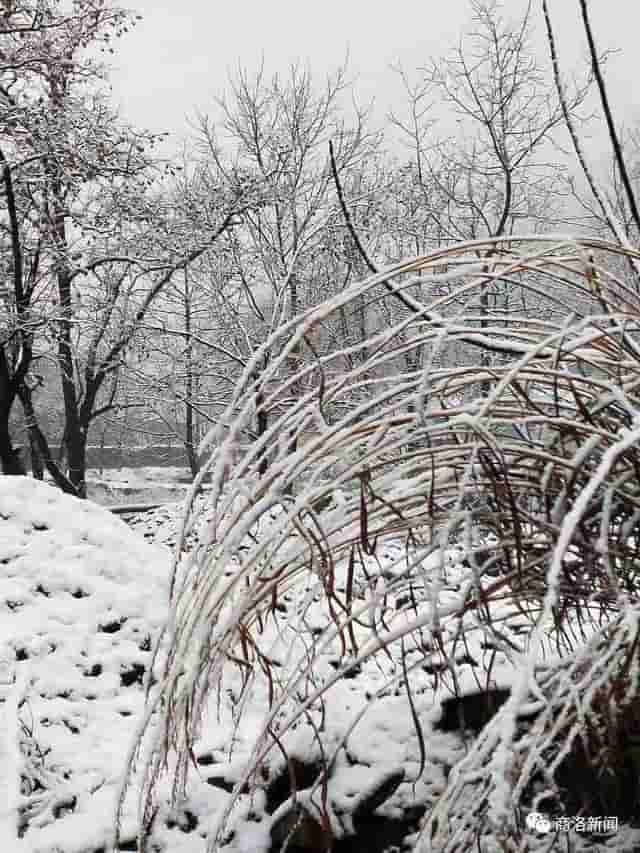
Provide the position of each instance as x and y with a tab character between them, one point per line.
524	452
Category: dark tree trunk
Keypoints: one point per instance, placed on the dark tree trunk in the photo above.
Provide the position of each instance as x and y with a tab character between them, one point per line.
37	463
77	459
190	385
263	424
40	450
9	456
485	358
13	370
262	417
75	437
190	443
10	461
75	432
192	458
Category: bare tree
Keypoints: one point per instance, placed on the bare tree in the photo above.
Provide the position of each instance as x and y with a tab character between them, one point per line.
494	173
276	131
497	173
106	237
37	41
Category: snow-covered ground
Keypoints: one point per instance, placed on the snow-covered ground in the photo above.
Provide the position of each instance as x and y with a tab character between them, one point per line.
114	486
84	598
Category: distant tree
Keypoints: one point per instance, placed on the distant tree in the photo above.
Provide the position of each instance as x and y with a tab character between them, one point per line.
496	174
276	132
184	361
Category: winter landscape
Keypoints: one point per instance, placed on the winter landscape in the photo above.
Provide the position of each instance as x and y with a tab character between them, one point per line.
320	451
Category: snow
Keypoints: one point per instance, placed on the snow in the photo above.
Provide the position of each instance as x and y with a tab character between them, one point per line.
84	598
132	485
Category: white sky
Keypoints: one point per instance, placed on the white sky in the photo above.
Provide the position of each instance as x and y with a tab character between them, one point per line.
179	56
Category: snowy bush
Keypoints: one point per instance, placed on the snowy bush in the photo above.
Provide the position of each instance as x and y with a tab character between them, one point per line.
488	509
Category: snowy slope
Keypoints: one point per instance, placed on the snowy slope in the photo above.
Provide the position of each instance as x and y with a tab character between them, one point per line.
82	598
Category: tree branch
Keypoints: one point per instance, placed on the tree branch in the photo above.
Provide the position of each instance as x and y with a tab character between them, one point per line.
606	107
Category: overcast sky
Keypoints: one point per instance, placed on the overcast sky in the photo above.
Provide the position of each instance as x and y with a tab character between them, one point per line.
179	56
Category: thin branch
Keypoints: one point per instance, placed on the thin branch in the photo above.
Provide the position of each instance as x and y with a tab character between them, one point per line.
409	303
613	135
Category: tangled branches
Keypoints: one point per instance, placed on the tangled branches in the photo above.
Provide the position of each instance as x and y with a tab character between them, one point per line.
529	463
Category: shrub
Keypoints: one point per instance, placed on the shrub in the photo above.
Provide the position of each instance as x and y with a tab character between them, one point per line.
529	463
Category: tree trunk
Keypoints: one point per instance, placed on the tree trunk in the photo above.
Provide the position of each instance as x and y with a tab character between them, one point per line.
40	449
37	464
190	385
485	358
10	461
75	433
9	457
77	460
262	417
192	458
190	442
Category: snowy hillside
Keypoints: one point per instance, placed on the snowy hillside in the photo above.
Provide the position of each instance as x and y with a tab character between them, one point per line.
82	599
